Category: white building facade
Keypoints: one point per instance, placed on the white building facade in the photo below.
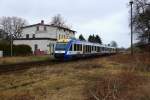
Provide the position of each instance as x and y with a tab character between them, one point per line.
43	37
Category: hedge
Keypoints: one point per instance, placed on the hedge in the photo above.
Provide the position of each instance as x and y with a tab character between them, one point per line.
18	50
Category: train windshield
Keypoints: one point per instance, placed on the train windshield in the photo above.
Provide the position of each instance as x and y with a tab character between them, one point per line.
60	46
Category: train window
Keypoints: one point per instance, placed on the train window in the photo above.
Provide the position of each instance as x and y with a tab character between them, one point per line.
80	47
83	48
75	47
102	48
60	46
92	48
86	48
98	49
89	48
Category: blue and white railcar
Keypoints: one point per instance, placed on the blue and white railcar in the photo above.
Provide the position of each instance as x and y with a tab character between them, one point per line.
75	48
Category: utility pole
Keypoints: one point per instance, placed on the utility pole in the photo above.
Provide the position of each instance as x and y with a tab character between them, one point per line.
11	45
131	4
148	4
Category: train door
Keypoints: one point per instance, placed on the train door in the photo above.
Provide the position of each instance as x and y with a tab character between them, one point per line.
84	49
51	48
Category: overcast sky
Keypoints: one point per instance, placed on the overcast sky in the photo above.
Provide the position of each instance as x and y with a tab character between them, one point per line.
108	18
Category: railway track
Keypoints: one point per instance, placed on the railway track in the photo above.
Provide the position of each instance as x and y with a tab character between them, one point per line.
27	65
22	66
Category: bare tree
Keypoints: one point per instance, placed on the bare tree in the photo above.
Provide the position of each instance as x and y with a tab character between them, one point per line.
12	25
59	21
113	44
141	19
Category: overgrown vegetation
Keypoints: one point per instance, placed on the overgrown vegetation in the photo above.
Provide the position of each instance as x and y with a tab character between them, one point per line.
22	50
122	86
18	50
104	78
141	19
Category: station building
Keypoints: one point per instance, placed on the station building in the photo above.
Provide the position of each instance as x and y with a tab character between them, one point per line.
43	37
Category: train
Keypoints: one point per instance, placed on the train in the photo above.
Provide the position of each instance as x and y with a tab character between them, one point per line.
72	48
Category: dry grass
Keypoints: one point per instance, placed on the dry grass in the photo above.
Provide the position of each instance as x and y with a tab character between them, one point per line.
122	86
139	62
73	80
12	60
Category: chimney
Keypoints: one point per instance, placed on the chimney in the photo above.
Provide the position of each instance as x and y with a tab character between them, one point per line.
42	21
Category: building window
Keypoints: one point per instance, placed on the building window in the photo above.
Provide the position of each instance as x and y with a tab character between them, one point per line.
35	47
45	28
33	36
37	28
27	36
64	37
59	36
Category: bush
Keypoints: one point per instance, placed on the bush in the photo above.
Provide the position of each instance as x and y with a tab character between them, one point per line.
18	50
22	50
5	48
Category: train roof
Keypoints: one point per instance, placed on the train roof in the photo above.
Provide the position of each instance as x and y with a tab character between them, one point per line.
90	43
85	42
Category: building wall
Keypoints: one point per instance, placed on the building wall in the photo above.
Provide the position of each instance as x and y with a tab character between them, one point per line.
43	45
50	32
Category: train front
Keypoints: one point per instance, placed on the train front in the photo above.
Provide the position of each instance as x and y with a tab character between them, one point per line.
60	50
